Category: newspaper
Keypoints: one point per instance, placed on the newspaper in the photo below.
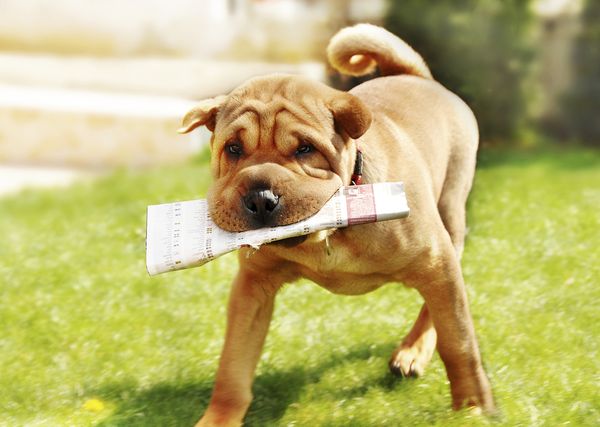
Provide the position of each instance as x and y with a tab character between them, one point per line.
182	235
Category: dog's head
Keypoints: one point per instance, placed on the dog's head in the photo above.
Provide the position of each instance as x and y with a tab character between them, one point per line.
280	149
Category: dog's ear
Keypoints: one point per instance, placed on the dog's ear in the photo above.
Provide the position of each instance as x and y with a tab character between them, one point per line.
350	114
202	114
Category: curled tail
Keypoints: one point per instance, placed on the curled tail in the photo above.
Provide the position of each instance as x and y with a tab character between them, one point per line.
359	49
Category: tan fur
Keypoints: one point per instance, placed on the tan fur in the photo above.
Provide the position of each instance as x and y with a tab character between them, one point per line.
360	49
410	129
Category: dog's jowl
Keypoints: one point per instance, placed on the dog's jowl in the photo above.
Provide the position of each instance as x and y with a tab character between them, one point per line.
282	145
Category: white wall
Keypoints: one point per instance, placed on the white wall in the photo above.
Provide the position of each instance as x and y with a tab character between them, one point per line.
199	27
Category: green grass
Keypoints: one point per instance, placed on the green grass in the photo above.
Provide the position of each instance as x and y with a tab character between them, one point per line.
80	319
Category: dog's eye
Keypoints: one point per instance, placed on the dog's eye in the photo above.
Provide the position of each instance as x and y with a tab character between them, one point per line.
234	148
304	149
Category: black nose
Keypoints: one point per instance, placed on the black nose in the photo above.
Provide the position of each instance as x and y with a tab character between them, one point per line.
261	205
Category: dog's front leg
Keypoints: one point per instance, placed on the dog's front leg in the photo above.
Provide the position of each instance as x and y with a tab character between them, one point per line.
446	299
248	317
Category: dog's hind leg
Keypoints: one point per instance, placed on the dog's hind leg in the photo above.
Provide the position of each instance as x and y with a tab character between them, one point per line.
451	207
416	349
414	353
457	186
444	292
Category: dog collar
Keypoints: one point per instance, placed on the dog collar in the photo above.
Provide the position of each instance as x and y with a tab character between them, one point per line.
358	169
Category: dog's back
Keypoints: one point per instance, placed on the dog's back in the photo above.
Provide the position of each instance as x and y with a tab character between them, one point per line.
431	127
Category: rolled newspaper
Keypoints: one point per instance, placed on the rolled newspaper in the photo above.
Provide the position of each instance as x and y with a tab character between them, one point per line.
182	235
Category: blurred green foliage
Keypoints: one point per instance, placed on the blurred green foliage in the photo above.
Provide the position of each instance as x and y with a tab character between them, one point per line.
479	49
581	104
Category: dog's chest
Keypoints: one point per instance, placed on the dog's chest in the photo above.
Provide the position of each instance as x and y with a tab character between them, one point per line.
336	277
351	263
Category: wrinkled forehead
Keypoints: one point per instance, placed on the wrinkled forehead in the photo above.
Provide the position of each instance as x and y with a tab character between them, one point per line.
266	101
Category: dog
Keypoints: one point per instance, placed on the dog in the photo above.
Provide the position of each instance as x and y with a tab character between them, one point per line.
282	145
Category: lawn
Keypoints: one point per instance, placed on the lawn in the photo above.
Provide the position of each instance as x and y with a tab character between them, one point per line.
88	339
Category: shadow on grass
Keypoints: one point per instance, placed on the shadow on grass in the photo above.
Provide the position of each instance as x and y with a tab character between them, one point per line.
182	404
161	405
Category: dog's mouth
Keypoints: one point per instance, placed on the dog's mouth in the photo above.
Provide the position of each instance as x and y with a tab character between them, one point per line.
290	242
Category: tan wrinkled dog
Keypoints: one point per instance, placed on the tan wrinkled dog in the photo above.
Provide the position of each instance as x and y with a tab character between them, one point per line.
282	145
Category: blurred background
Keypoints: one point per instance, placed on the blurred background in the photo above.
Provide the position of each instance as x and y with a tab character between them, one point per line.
89	86
91	94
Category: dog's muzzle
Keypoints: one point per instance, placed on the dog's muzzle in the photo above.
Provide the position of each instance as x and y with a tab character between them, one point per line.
261	207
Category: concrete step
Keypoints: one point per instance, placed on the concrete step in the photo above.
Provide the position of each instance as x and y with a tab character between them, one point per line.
48	126
107	112
187	78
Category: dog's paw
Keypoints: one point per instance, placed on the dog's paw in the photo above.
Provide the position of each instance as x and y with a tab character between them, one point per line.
212	419
407	362
207	422
411	360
